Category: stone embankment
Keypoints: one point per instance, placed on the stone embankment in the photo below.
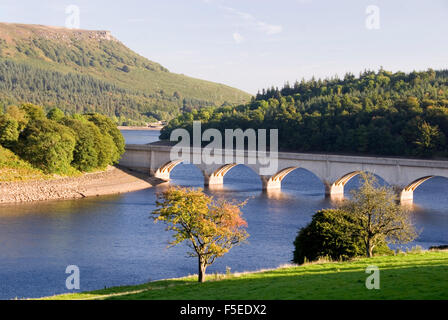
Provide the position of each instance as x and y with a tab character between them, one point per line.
111	181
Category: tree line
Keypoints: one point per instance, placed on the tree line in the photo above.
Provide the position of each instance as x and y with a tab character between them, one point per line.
381	113
56	143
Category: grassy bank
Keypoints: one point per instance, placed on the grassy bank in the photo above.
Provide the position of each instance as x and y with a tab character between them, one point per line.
405	276
12	168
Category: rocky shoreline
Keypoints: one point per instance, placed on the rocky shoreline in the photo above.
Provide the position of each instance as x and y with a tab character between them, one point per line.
111	181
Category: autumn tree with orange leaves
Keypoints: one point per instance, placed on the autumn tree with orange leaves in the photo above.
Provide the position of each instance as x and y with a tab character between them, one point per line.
210	226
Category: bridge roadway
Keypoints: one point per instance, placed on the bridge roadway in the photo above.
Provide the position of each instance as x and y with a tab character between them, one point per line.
405	175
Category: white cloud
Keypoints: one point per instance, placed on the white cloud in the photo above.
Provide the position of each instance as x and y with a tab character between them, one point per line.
269	28
238	37
250	20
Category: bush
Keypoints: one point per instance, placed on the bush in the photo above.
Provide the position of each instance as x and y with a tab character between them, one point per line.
108	127
442	247
47	145
55	114
59	144
85	155
331	233
9	130
32	111
15	169
104	145
19	115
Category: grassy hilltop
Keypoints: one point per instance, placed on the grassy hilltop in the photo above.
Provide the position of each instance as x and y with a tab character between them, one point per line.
403	276
91	71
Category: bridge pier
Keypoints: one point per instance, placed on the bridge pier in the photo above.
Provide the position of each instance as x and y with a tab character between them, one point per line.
270	183
334	191
213	180
164	171
406	194
216	178
406	197
161	175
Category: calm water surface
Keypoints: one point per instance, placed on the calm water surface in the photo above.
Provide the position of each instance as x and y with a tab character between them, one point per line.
114	242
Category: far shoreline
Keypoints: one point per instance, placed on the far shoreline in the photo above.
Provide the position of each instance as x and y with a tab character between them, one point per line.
124	128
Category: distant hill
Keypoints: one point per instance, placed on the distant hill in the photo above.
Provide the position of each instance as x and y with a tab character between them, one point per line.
85	71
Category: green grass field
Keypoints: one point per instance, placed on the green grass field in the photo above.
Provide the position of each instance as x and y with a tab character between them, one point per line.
404	276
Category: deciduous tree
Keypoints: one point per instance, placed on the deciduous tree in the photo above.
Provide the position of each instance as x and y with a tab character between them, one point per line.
211	227
9	130
47	145
55	114
378	216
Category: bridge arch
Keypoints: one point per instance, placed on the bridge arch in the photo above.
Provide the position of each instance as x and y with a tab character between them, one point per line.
164	172
216	177
407	193
274	183
336	189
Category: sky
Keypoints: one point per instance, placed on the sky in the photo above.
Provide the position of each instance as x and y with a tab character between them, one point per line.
255	44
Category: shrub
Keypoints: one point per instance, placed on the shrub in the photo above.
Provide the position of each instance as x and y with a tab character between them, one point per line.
19	115
104	145
441	247
47	145
13	168
126	69
331	233
55	114
9	130
85	155
32	111
108	127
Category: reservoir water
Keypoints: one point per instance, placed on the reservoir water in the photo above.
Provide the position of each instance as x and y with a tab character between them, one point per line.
113	240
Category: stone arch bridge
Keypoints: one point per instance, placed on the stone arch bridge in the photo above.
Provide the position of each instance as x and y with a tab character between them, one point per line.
405	175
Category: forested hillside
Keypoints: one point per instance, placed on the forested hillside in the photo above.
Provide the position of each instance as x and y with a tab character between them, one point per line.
91	71
381	113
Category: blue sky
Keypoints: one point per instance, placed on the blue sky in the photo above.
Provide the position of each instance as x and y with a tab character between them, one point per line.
251	44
